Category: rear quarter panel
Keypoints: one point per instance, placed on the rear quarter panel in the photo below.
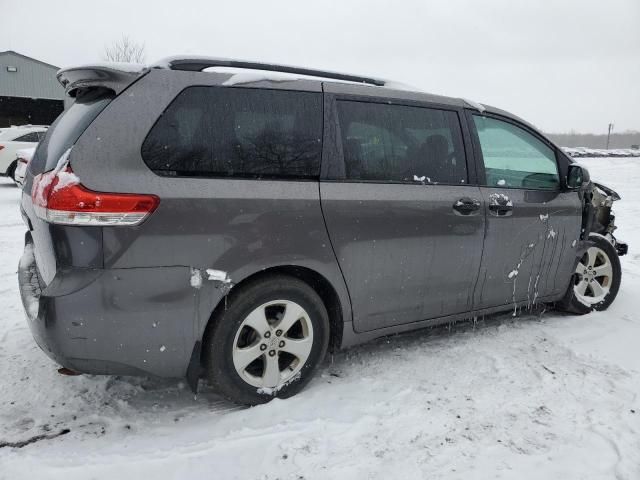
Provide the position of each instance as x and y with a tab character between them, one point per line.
237	226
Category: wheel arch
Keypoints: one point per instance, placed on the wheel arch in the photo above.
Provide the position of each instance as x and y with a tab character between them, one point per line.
319	283
11	168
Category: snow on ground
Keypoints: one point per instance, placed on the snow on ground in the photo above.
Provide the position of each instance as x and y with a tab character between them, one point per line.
550	396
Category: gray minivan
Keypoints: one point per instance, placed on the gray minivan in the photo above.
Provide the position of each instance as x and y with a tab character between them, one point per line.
188	222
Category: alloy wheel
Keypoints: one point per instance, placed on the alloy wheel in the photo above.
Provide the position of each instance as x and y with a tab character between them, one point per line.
594	275
272	344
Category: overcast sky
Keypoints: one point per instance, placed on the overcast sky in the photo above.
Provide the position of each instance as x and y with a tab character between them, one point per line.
561	64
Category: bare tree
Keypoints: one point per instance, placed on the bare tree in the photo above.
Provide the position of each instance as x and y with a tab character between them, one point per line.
125	50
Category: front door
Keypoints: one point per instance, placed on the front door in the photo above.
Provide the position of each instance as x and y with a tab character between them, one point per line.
532	224
405	224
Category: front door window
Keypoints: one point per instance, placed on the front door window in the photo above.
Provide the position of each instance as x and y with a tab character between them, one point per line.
514	158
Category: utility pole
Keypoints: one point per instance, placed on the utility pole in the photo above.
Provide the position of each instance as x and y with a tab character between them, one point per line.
609	134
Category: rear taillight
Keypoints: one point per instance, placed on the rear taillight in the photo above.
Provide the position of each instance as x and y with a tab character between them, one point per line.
1	147
58	197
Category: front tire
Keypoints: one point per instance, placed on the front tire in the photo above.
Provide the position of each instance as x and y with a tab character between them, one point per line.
596	281
267	342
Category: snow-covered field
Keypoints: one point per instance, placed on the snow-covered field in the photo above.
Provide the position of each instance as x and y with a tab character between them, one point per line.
601	152
543	397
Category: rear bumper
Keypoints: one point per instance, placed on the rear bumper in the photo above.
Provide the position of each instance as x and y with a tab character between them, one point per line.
136	321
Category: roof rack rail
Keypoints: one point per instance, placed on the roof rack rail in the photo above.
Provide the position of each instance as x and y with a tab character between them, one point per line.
197	64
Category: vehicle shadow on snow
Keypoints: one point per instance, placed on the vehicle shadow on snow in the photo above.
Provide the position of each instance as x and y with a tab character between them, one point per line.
443	335
96	405
169	391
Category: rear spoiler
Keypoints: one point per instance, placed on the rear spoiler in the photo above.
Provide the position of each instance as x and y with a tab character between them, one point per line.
113	76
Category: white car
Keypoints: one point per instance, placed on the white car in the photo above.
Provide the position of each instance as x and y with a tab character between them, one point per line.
23	158
17	138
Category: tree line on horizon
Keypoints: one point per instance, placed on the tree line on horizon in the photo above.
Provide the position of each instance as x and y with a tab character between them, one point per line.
591	140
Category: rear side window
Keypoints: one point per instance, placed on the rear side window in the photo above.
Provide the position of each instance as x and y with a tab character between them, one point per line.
238	132
29	137
514	158
395	143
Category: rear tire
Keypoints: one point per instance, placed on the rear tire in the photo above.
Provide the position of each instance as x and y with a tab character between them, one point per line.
596	281
267	342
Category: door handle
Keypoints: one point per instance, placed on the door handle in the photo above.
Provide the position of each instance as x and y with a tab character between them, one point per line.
501	210
466	206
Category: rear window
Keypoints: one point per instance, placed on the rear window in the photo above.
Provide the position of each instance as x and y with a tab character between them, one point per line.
238	132
67	128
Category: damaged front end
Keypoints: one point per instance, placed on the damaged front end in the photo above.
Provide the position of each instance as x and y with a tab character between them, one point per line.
598	216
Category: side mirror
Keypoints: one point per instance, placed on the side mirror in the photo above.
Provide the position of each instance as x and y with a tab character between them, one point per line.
577	177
